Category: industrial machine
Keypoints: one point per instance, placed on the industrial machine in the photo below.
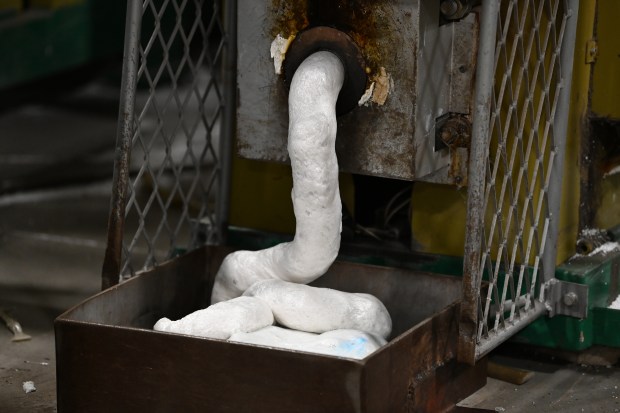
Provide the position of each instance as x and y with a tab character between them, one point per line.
455	134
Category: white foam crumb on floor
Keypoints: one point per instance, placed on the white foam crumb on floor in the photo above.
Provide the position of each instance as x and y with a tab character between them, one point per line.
28	387
616	304
612	171
606	248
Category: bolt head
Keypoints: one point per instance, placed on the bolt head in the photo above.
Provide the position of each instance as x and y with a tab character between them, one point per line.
570	299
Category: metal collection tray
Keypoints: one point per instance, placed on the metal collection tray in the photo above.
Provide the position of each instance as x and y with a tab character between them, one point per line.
109	359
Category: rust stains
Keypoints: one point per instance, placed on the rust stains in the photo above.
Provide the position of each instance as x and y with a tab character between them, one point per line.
367	22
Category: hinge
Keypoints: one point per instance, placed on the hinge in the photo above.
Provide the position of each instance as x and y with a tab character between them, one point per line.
591	51
566	298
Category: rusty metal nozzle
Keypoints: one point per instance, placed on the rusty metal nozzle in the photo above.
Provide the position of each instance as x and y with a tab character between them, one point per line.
322	38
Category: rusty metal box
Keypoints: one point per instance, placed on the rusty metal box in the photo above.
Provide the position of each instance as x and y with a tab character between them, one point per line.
109	359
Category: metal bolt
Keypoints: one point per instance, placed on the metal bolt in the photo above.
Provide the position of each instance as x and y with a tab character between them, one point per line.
449	8
593	51
570	299
455	131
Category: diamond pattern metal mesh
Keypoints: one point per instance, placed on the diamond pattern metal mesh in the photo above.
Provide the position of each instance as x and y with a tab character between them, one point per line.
517	206
175	164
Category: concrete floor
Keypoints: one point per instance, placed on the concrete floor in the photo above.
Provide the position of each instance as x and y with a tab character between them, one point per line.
55	173
52	241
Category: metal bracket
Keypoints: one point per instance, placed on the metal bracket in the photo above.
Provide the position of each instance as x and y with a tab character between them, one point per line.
566	298
591	51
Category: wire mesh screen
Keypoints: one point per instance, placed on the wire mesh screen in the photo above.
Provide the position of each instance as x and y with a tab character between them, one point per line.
517	208
179	99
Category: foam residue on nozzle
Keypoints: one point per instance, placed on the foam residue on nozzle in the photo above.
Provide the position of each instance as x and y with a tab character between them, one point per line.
279	46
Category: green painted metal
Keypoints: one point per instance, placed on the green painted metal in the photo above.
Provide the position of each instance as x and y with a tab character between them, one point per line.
601	273
39	42
607	327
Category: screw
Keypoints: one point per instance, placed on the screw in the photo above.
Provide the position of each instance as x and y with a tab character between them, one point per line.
593	51
570	299
449	8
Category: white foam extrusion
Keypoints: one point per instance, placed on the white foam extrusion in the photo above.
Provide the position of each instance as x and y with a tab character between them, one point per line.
342	343
316	197
317	310
239	315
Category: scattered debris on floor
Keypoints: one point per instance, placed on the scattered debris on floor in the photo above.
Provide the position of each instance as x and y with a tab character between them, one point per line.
29	387
14	327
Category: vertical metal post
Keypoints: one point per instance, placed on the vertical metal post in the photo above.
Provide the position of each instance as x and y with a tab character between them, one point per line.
560	123
124	133
479	153
227	131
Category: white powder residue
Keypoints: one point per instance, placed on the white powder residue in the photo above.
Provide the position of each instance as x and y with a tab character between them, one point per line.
279	46
342	343
591	232
606	248
28	387
616	304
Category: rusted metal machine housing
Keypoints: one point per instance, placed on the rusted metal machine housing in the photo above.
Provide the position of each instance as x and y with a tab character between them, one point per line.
421	69
110	360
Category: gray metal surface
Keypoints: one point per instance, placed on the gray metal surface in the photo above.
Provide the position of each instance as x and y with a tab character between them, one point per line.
468	324
175	131
511	221
112	262
431	68
566	298
560	125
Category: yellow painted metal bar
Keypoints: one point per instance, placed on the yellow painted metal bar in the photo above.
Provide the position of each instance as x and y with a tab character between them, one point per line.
605	101
606	71
569	212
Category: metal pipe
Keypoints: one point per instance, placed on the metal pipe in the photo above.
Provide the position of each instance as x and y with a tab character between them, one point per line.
228	127
479	153
560	124
112	262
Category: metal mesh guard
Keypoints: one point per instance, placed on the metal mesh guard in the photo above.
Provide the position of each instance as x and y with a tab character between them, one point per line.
517	207
179	96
